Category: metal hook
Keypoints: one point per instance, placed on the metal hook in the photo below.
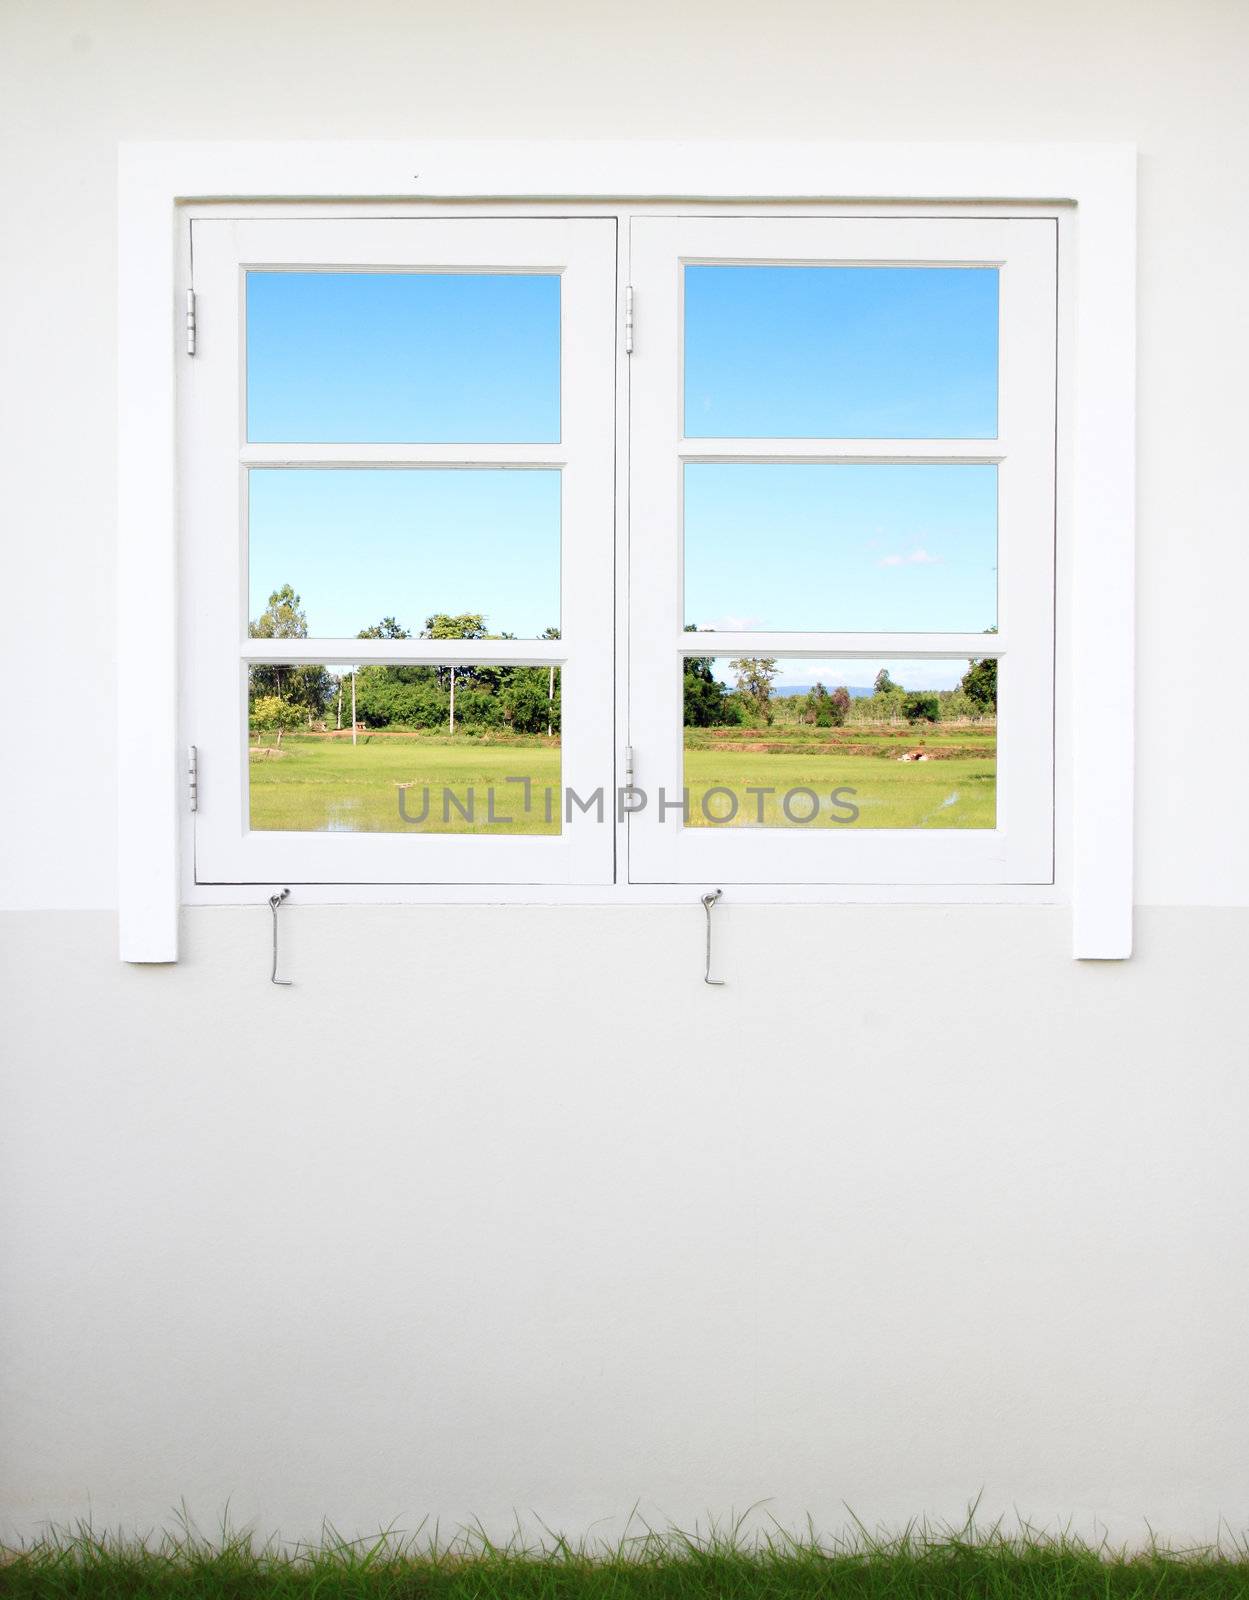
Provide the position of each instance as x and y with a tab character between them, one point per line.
708	901
275	900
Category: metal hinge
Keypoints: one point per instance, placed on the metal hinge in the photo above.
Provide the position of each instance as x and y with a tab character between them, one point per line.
628	767
190	322
628	319
192	772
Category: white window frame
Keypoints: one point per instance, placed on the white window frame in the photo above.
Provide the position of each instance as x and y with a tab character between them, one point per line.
1019	849
217	457
1090	189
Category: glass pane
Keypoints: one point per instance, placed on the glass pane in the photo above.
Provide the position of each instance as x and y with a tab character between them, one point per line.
806	548
434	749
841	352
399	357
360	548
840	744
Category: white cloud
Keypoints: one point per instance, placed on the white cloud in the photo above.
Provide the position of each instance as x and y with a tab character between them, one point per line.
730	624
917	558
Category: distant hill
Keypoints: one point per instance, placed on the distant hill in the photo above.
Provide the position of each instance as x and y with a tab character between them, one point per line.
786	691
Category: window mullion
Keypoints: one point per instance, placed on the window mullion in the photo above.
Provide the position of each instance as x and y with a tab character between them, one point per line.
850	452
515	456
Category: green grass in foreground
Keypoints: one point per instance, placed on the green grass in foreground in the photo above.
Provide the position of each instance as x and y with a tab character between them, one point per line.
888	794
318	784
919	1565
955	787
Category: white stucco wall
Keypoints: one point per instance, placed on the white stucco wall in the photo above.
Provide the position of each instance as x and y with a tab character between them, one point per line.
500	1208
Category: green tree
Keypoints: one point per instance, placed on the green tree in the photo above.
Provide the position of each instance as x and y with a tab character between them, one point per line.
530	700
403	697
387	628
814	706
525	699
921	707
955	705
755	676
282	618
884	683
708	703
267	713
826	710
306	687
979	683
376	703
468	625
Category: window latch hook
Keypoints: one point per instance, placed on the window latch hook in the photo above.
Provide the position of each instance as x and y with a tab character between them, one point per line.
709	900
275	900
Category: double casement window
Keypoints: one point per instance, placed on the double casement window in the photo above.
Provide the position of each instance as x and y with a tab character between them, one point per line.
669	547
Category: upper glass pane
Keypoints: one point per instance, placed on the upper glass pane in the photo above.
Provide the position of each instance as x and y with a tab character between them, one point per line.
403	548
841	547
797	352
403	358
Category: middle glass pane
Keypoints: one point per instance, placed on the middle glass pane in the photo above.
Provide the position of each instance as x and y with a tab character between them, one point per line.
836	548
417	547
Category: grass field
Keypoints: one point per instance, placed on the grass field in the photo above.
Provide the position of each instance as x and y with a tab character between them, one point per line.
320	783
316	783
955	787
921	1565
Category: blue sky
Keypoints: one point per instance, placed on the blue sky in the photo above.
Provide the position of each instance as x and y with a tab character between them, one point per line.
862	549
398	357
361	544
386	357
841	352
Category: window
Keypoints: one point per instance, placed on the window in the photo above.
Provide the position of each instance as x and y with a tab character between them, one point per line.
181	639
685	505
842	497
399	517
399	525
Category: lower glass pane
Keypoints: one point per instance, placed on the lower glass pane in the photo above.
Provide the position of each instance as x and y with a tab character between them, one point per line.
430	749
840	744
